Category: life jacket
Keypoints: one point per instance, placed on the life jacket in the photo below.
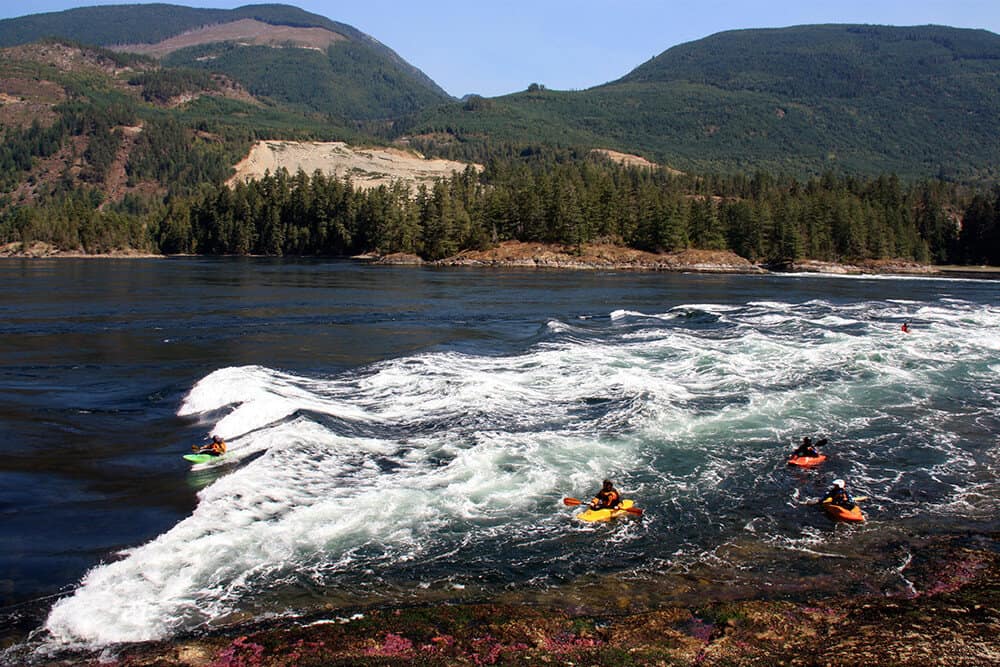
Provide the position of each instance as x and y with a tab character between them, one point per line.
219	448
840	497
607	498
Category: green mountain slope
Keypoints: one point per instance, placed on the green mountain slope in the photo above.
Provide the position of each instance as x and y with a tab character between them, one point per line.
348	80
917	101
356	78
75	117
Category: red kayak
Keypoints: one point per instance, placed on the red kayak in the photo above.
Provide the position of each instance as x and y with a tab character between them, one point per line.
840	514
806	461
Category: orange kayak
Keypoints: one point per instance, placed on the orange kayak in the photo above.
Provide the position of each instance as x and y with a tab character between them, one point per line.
806	461
840	514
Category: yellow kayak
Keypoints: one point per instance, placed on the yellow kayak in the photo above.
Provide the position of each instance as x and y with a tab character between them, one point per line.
590	515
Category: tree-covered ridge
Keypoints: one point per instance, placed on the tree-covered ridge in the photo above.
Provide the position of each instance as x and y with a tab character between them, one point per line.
108	25
837	61
116	25
349	80
919	102
149	23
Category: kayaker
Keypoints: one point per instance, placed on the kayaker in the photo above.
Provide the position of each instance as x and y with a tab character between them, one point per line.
839	495
806	448
607	498
215	448
906	327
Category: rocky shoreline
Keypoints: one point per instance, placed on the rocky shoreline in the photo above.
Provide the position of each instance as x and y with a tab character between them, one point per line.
595	256
610	257
951	617
41	250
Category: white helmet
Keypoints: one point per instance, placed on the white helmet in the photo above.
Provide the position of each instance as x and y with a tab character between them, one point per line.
839	483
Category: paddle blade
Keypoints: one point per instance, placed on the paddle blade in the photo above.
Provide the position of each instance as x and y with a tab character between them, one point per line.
634	510
821	442
572	502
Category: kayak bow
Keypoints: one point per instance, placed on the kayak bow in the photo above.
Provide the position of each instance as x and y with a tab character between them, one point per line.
200	458
838	513
806	461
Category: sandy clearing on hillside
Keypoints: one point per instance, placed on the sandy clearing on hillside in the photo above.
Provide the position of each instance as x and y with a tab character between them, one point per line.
244	31
630	160
367	167
626	159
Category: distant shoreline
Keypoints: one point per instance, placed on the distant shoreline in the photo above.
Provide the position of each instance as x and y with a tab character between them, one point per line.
607	257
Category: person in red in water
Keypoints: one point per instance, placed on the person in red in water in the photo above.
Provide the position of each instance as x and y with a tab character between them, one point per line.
607	498
905	328
807	448
215	448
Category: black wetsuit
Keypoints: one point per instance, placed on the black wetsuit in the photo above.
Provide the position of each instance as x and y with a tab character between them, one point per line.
840	497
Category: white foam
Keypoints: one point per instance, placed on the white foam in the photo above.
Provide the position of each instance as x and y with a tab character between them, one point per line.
622	314
261	396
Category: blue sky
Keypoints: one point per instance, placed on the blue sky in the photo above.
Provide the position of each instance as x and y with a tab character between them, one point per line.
493	48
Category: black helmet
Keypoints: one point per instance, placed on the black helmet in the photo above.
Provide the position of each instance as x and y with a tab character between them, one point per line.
216	438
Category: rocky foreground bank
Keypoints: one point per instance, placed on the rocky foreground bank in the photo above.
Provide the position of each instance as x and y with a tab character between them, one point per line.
950	617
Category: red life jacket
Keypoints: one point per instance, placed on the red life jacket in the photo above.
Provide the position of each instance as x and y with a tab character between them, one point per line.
606	498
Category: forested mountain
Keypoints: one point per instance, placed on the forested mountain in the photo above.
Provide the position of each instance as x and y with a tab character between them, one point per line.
914	101
349	74
918	102
820	142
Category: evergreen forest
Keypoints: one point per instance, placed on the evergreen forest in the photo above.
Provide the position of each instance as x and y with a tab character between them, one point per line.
552	197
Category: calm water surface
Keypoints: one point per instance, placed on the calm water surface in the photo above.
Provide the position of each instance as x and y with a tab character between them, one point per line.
402	433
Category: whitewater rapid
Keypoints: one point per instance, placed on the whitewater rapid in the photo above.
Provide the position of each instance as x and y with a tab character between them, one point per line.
442	470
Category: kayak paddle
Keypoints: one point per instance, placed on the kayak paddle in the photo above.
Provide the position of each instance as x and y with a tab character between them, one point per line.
573	502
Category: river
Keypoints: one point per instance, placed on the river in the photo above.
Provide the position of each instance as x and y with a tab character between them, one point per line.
401	434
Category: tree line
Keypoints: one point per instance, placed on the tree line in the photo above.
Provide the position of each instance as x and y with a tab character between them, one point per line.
553	197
